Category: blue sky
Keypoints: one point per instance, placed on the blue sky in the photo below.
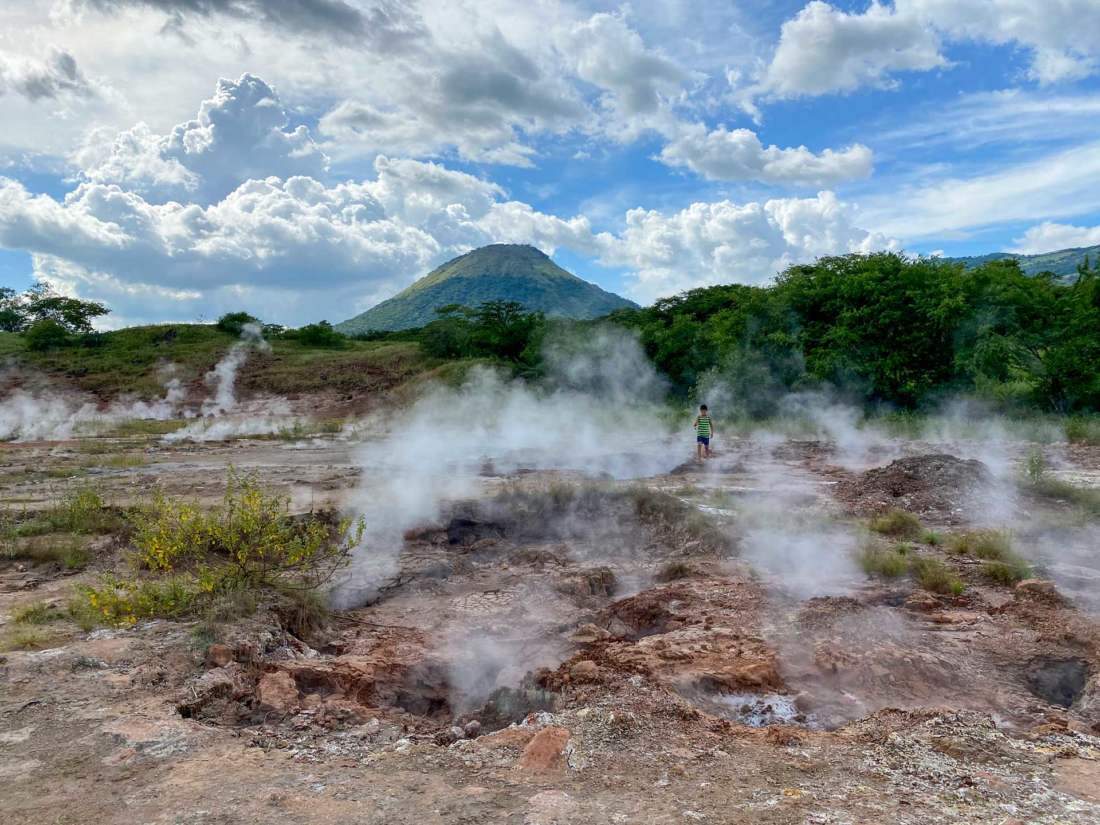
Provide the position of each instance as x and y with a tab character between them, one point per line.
305	160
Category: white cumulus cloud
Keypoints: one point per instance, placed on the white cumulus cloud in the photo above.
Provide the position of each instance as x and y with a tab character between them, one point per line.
238	134
1049	237
824	49
725	242
738	154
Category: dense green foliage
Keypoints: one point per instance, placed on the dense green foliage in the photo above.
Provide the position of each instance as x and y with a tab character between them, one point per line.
235	322
46	319
885	329
320	334
509	273
496	329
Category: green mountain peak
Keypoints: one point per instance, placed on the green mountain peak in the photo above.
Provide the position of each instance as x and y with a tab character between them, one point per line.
498	272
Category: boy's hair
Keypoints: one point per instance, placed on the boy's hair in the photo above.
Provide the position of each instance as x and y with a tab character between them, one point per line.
702	407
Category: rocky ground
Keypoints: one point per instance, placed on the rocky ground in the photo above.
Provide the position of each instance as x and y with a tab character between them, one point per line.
696	646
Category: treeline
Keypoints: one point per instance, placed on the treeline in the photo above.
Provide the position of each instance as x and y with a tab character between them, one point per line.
882	330
885	329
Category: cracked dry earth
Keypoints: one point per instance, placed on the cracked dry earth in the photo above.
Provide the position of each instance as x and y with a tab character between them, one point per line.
591	656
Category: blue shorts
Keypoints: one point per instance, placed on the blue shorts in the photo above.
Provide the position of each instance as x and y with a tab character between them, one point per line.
703	439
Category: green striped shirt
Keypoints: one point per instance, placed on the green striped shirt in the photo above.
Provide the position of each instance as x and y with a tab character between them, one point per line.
702	426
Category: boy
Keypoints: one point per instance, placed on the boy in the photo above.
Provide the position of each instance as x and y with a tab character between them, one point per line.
703	432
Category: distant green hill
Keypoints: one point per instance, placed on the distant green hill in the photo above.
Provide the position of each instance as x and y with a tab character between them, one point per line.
499	272
1063	262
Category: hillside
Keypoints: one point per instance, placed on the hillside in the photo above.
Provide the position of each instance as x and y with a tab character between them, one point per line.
131	362
1062	262
506	272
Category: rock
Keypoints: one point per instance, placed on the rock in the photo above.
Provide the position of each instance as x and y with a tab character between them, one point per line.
472	729
229	682
1038	589
588	633
922	601
218	655
277	693
447	736
546	751
584	671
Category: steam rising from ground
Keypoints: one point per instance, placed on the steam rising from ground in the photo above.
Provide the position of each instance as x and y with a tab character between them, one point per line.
27	415
598	414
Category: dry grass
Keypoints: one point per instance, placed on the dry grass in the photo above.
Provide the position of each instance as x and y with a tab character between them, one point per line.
28	637
37	613
676	570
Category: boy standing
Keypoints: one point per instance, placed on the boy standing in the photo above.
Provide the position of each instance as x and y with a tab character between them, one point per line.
703	432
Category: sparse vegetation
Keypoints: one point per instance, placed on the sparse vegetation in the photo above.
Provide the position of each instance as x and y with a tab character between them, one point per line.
896	523
28	637
216	560
37	613
935	576
981	544
932	538
1008	571
888	563
57	535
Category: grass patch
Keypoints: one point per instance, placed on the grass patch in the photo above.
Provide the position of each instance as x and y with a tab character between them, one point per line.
937	577
1007	572
896	523
1083	429
145	426
81	511
1086	498
28	637
981	544
68	552
932	538
123	461
37	613
889	564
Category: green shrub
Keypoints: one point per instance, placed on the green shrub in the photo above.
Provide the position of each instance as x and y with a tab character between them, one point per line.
45	335
124	602
221	561
320	334
886	563
896	523
937	577
931	537
234	322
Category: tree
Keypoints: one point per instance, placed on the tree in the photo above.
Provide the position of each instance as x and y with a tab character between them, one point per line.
234	322
41	303
13	317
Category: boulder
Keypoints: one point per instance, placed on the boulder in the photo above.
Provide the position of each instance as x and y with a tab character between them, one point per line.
545	753
277	693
